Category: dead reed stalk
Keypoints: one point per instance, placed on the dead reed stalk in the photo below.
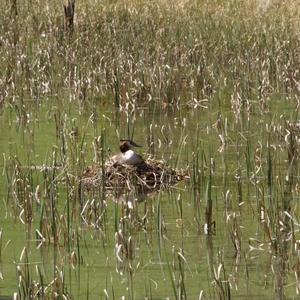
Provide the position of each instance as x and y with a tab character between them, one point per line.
69	9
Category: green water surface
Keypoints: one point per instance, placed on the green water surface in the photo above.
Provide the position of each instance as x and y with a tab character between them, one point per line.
172	254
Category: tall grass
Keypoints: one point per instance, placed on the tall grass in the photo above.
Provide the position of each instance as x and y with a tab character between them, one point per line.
193	50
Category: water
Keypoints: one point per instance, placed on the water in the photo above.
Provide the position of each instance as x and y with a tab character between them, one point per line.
162	250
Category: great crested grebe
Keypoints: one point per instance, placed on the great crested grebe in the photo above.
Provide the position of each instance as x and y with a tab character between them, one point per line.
127	155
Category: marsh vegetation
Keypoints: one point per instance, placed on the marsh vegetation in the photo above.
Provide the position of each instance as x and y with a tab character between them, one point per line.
209	87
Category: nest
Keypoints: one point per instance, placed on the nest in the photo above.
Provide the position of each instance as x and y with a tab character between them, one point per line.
148	176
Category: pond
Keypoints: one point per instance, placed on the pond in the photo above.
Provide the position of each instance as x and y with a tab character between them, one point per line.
223	232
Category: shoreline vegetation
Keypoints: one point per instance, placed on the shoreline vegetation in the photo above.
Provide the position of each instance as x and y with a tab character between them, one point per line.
139	53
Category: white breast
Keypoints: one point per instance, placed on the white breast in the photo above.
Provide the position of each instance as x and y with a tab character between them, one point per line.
131	158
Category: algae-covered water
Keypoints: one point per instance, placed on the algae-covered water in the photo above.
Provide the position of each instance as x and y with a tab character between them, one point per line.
167	250
209	87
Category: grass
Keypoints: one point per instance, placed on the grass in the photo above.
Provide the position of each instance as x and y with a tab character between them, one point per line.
211	86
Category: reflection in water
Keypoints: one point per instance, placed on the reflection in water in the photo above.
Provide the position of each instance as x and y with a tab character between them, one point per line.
116	229
285	231
138	194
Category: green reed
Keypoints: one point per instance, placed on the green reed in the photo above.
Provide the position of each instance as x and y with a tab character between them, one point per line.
255	51
1	243
209	203
196	189
171	274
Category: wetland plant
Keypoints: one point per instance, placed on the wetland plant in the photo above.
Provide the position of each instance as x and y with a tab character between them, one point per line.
160	70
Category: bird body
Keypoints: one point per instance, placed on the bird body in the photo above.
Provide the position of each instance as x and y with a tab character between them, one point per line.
127	155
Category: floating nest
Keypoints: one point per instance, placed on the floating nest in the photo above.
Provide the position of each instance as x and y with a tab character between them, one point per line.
148	176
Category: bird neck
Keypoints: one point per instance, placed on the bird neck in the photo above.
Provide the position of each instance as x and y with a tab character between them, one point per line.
124	147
